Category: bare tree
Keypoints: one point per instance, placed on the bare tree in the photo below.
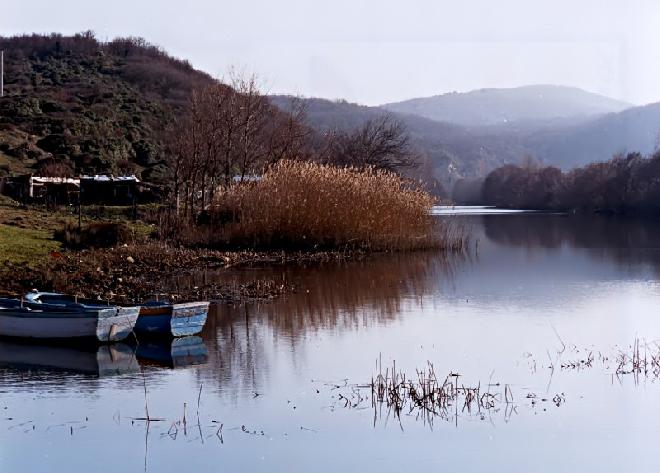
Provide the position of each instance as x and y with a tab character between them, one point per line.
382	143
289	136
227	131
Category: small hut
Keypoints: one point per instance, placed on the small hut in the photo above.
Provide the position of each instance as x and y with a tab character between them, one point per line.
108	190
41	189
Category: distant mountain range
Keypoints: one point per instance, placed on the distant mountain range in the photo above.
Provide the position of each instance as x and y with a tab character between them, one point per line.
486	107
466	135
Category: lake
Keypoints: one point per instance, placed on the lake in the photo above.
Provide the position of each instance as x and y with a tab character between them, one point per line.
541	307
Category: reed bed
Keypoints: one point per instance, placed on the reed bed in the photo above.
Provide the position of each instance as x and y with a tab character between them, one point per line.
309	205
431	396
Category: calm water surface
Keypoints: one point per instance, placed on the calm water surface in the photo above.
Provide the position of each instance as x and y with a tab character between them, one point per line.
271	374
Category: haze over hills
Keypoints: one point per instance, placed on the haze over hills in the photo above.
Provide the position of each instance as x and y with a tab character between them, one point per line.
486	107
634	129
456	151
450	151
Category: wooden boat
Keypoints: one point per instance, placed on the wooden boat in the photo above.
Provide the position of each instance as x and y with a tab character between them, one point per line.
105	324
178	320
173	353
98	360
155	318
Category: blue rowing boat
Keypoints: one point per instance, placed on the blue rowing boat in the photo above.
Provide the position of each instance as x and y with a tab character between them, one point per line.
177	320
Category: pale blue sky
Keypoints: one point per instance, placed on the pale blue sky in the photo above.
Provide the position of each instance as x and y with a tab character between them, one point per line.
380	51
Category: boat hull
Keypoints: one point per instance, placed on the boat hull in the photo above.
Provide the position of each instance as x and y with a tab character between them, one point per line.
106	325
177	320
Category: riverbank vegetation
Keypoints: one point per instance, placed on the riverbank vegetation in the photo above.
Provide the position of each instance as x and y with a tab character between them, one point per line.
35	254
626	184
306	205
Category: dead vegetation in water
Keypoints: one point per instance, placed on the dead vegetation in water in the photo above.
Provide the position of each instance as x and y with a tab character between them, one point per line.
427	397
431	396
641	360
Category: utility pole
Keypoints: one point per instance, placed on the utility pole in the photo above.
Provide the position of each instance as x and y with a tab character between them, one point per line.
2	73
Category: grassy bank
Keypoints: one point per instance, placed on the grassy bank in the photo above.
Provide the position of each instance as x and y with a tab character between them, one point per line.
25	246
26	235
31	257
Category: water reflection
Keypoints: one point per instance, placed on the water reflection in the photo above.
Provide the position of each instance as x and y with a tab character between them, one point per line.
343	296
333	296
103	360
173	353
555	231
27	357
628	242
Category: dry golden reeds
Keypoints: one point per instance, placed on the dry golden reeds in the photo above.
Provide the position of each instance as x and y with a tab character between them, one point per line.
309	205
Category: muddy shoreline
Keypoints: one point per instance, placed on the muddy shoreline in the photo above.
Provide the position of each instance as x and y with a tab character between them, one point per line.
136	272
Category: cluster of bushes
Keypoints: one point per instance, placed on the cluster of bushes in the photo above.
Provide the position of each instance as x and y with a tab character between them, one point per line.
627	184
303	205
94	235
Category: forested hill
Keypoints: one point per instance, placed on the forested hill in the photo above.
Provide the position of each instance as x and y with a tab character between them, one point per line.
87	106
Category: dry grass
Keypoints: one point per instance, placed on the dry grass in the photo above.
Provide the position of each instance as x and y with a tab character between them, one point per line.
308	205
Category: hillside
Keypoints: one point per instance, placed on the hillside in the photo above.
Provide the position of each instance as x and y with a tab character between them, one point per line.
635	129
488	107
88	106
451	151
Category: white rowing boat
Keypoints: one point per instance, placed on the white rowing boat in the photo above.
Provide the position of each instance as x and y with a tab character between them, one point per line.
104	324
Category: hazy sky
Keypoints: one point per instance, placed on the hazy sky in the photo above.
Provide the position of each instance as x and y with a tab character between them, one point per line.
380	51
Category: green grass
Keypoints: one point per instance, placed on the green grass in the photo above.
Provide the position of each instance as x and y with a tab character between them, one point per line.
21	245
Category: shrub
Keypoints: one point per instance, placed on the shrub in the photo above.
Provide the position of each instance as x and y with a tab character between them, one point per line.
94	235
309	205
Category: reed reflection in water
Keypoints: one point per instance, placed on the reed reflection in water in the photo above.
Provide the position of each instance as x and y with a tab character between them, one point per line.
334	296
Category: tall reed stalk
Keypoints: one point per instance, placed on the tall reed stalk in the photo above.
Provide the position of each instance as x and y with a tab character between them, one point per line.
309	205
